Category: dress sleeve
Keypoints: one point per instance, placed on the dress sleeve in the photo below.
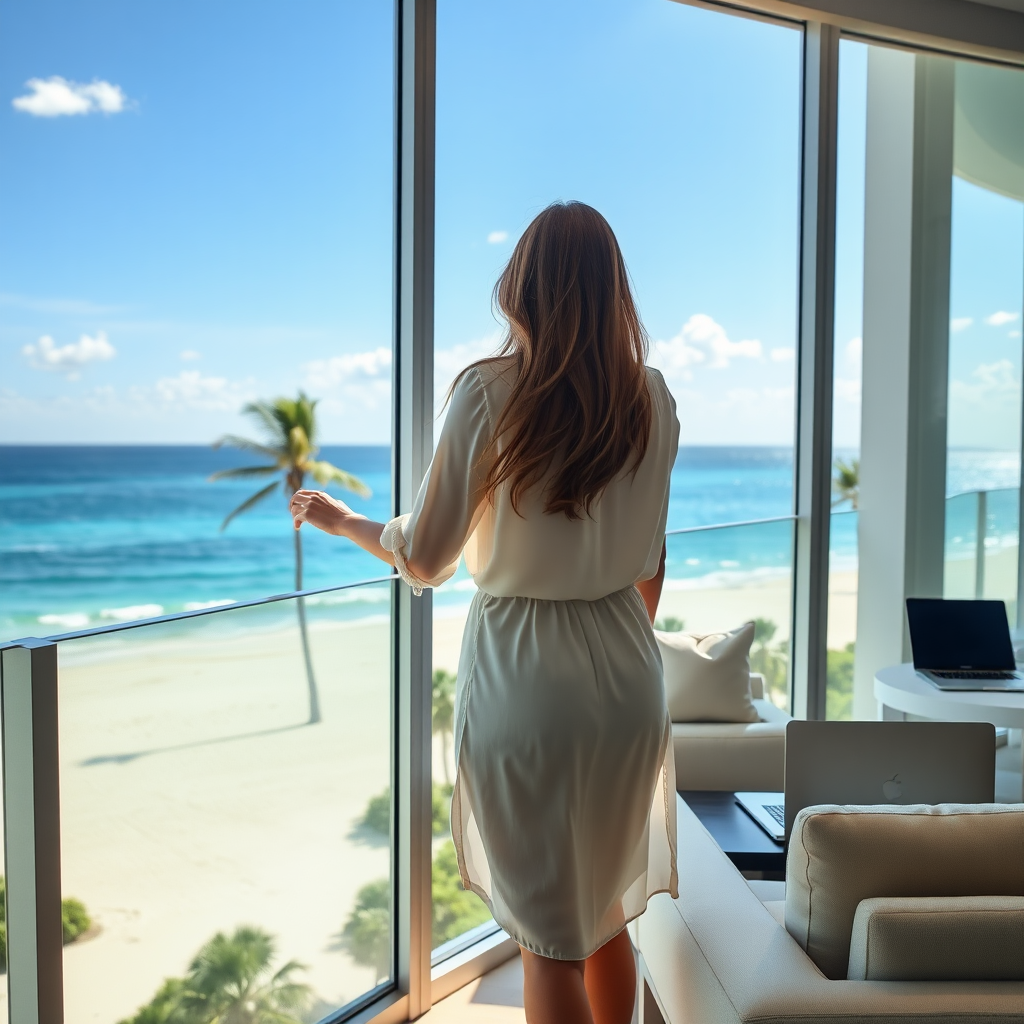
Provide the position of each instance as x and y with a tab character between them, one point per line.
666	409
443	515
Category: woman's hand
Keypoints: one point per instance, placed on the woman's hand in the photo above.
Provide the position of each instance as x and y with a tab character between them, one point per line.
319	509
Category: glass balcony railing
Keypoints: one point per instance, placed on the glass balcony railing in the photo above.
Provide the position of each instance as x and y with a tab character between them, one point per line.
217	845
718	577
982	533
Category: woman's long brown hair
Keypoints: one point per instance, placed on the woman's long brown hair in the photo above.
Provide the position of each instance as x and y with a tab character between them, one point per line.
580	408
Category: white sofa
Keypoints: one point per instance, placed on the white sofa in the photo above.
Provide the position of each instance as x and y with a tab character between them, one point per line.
733	755
721	953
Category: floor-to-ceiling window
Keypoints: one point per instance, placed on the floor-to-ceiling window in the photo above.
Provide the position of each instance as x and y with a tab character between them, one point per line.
930	167
196	234
682	127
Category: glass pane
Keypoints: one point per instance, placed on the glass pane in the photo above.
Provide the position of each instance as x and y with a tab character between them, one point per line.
986	303
615	101
846	390
204	819
185	231
715	580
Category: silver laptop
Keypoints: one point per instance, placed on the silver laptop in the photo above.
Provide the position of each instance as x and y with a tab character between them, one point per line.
878	763
962	645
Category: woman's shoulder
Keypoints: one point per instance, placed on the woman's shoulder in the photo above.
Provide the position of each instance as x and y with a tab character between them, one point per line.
659	389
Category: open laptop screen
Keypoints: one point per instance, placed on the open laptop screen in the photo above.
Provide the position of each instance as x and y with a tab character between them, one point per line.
947	635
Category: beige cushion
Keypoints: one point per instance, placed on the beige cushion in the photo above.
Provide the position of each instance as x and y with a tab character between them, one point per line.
938	938
707	677
733	755
839	856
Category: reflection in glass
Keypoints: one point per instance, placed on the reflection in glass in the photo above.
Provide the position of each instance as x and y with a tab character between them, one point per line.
201	814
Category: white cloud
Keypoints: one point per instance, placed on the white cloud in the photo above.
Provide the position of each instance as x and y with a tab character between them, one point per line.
58	97
999	318
321	373
984	410
960	323
68	359
191	390
1013	334
782	355
190	355
497	237
701	341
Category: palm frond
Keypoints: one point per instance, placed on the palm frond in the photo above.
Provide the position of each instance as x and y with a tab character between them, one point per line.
242	471
267	414
249	503
325	473
245	444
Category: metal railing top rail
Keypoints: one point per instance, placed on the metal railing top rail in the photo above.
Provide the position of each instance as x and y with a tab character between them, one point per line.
195	613
726	526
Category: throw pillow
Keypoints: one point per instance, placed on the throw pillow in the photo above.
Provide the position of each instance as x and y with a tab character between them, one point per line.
707	678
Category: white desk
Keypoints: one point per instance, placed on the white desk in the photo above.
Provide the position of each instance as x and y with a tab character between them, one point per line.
902	689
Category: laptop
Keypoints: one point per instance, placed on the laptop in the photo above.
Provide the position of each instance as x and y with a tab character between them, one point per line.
962	645
878	763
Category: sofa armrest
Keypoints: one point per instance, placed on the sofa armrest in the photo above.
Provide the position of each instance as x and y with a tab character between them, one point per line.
757	686
716	954
938	938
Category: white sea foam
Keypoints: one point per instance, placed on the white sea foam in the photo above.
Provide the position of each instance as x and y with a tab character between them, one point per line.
195	606
728	579
133	612
71	620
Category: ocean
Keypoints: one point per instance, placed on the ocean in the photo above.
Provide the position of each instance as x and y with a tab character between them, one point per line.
95	535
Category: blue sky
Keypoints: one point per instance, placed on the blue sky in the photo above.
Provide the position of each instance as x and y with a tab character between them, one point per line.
218	227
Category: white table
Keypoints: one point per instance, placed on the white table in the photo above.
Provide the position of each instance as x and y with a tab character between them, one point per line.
902	689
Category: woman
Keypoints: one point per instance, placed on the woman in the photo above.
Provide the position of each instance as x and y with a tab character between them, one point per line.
552	476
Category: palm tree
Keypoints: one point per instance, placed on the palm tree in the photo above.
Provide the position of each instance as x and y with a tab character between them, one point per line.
366	936
443	717
290	434
229	982
846	482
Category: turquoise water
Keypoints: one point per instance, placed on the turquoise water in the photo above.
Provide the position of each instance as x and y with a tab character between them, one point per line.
94	535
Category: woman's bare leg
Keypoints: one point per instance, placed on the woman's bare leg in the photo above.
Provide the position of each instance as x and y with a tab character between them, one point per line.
553	991
610	979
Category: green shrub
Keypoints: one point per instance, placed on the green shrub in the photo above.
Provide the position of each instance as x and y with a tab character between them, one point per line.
839	684
74	919
366	936
669	624
455	910
377	816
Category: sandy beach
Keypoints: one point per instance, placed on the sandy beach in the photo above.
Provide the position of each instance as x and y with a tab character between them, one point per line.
195	799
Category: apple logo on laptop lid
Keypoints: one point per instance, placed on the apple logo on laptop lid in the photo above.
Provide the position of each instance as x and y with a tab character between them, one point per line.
892	789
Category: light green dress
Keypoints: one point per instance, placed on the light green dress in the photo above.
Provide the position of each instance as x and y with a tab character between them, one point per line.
563	814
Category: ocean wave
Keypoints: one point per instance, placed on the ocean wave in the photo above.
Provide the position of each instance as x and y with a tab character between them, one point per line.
729	579
132	612
68	620
195	606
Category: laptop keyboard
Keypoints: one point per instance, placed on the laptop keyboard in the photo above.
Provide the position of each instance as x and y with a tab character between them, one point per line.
969	673
778	812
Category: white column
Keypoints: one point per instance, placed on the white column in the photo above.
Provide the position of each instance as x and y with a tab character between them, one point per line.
908	189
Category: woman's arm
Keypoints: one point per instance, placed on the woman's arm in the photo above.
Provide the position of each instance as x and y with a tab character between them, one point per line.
319	509
650	590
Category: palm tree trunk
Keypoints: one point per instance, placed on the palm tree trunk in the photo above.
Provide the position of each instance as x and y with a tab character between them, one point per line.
300	606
